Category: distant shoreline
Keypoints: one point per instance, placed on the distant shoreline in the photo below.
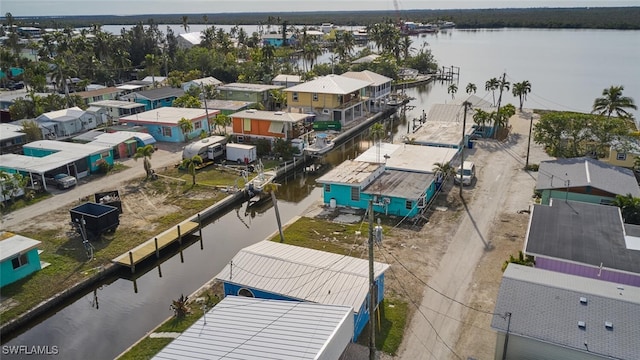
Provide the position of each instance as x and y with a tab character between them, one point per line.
620	18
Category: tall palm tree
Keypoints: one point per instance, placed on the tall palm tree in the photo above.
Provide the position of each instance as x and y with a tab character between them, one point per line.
145	153
521	90
452	89
471	88
152	63
191	164
613	101
376	132
492	85
444	169
185	23
186	126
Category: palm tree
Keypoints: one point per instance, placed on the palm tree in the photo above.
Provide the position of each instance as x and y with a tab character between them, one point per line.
190	165
185	24
271	188
444	169
222	121
492	85
521	90
629	207
471	88
145	152
186	126
152	63
452	89
613	101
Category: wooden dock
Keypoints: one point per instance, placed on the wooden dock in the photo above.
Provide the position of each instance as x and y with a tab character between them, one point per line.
154	245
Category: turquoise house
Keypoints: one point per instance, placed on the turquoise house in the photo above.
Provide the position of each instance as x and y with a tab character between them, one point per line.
19	258
155	98
585	180
83	159
272	270
163	123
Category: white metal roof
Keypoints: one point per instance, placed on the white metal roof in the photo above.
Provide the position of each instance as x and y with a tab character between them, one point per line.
78	149
8	131
16	244
280	116
249	87
352	173
374	78
366	59
194	38
63	115
287	78
38	165
302	273
117	104
406	157
129	87
248	328
209	80
330	84
441	132
168	115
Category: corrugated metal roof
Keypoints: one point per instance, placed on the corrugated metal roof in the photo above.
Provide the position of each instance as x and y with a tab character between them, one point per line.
287	78
581	232
194	38
62	115
8	131
373	78
233	105
16	244
350	172
441	132
330	84
400	184
366	59
77	149
452	113
280	116
248	87
545	306
406	157
168	115
301	273
38	165
581	172
117	104
247	328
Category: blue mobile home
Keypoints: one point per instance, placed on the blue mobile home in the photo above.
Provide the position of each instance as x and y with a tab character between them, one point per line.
90	156
155	98
271	270
19	258
162	123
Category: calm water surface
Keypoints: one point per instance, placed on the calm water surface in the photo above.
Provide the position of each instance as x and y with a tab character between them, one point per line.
567	69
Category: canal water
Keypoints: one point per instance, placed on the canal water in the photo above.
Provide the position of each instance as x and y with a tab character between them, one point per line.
567	70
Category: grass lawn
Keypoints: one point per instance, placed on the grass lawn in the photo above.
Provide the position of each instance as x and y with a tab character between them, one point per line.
69	264
390	326
146	349
22	202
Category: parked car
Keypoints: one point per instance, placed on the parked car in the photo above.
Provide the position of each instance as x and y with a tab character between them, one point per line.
62	181
468	173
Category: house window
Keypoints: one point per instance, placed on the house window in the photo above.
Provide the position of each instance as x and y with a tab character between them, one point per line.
294	96
166	131
621	156
315	96
197	125
327	188
355	194
19	261
246	124
408	205
245	292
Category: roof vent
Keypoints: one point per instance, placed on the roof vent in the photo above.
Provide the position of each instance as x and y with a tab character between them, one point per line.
582	325
251	110
583	300
608	325
278	113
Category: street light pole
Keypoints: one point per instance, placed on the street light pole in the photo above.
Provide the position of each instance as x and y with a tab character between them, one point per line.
526	166
466	105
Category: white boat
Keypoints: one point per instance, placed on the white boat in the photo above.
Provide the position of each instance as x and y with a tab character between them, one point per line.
320	146
257	184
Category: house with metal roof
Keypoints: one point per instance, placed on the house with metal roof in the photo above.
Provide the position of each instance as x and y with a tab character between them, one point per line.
584	179
270	125
66	122
154	98
162	123
330	98
248	328
11	139
286	80
201	83
255	93
623	152
19	257
547	315
107	93
379	88
226	107
189	40
272	270
279	40
115	109
584	239
407	157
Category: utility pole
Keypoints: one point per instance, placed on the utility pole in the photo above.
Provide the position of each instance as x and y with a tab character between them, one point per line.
466	105
206	108
372	281
526	166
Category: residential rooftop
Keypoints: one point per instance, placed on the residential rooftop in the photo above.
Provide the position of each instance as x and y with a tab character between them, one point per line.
15	244
117	104
405	157
330	84
248	87
399	184
351	172
373	78
440	133
280	116
168	115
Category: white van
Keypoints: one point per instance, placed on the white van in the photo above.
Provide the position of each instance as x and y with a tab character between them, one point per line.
468	173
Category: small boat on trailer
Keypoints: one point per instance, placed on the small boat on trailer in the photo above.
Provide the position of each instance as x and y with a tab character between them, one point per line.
322	145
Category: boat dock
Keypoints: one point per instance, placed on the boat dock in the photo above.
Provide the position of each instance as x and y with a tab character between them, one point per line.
154	245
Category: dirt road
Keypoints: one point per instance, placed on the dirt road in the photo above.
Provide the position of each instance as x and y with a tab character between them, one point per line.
502	187
167	155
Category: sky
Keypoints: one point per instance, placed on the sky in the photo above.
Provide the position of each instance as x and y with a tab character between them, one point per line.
20	8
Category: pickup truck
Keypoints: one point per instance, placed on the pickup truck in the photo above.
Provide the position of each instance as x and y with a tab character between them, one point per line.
62	181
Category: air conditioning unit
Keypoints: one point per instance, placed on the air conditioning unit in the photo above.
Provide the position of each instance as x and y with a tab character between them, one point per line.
386	201
326	111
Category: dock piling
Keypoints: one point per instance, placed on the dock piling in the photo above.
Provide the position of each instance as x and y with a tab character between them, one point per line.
179	235
133	265
155	240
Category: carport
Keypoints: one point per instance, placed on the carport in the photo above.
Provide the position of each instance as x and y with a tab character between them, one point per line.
36	167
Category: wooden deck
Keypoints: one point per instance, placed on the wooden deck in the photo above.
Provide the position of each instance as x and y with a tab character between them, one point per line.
155	244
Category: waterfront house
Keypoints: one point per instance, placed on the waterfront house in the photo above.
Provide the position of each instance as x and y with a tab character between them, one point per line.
406	157
255	124
255	93
584	239
330	98
11	139
272	270
241	327
286	80
365	59
379	87
278	40
66	122
154	98
162	123
201	83
189	40
227	107
19	257
546	315
584	179
115	109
